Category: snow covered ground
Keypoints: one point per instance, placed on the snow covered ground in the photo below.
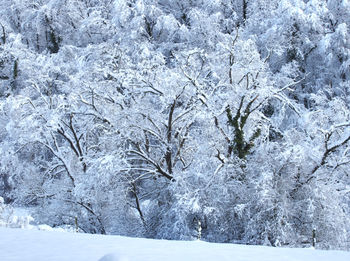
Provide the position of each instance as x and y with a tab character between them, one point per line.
34	245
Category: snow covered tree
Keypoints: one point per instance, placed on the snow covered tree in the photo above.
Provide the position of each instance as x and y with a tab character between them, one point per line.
166	118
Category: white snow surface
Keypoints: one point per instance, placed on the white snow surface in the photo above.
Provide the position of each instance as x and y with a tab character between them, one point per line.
35	245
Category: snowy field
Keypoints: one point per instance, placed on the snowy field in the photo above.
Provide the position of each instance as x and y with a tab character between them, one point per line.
34	245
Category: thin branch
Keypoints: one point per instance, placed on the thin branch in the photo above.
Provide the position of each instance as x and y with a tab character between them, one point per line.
61	159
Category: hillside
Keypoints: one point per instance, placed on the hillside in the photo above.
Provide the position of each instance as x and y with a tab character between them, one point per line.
33	245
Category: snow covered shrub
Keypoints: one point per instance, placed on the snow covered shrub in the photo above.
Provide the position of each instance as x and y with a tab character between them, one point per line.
4	213
9	219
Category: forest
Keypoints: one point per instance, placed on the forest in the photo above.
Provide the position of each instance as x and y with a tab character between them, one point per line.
227	120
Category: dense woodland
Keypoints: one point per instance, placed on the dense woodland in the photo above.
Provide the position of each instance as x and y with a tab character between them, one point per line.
166	118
